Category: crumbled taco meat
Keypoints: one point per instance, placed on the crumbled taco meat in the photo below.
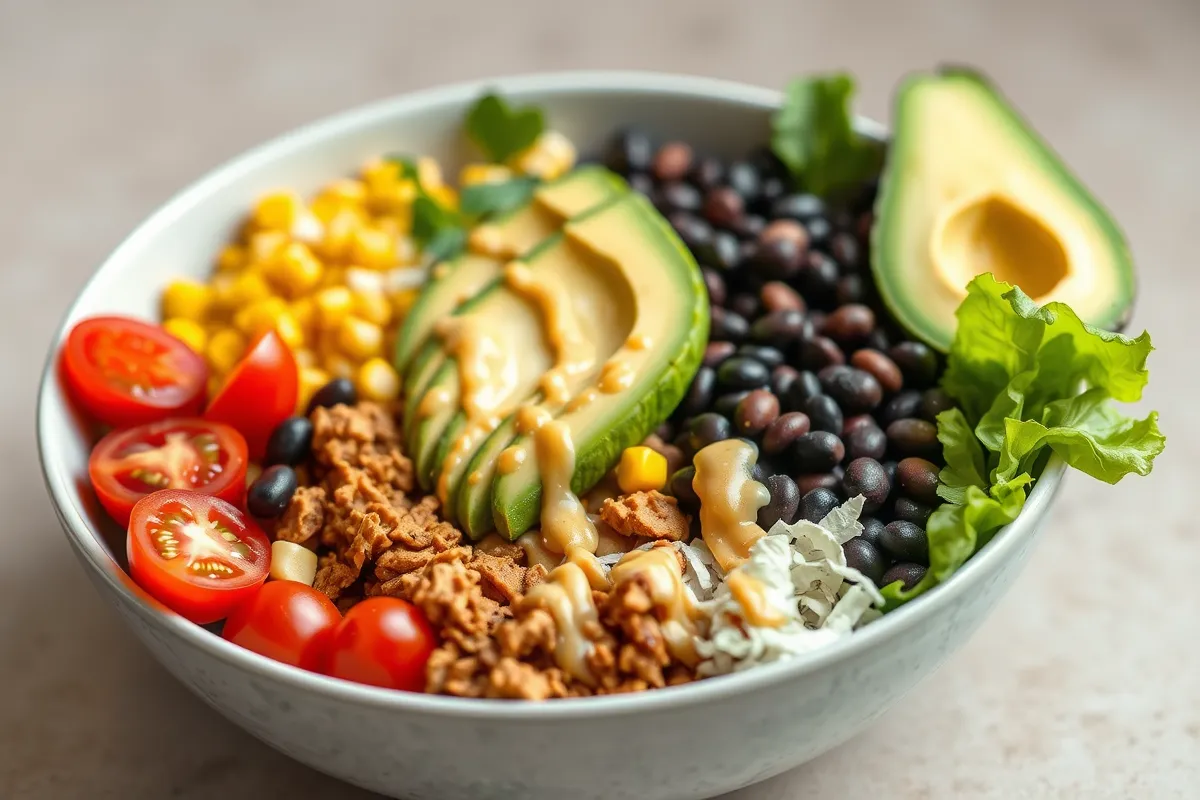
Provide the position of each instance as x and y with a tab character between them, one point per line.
304	517
651	514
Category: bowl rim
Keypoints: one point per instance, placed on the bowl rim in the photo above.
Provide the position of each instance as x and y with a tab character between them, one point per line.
96	557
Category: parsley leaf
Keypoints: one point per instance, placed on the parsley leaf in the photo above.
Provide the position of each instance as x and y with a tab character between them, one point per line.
497	198
501	131
813	135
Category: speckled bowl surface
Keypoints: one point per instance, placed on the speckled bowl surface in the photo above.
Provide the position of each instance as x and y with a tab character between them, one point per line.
685	742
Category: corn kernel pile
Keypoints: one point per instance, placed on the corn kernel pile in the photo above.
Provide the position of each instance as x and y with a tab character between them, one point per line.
333	276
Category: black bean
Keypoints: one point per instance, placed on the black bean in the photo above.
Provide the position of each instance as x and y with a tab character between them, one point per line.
290	442
785	230
831	481
629	151
776	259
700	394
865	557
778	296
642	183
820	352
681	489
866	441
801	207
918	478
816	504
905	541
708	428
744	179
766	355
780	434
817	278
890	468
824	413
913	437
745	305
879	340
805	385
695	232
905	404
933	402
785	500
819	230
853	423
755	412
727	404
672	161
850	289
726	325
782	378
743	373
855	390
773	188
715	284
779	328
850	324
881	367
909	575
867	477
723	207
748	226
817	451
872	529
910	510
917	361
760	470
707	173
845	250
665	431
722	250
678	196
767	163
269	495
716	352
339	391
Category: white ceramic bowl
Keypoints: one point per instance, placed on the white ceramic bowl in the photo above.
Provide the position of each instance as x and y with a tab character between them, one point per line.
686	742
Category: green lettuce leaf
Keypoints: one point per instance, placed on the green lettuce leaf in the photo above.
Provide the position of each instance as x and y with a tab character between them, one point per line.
965	464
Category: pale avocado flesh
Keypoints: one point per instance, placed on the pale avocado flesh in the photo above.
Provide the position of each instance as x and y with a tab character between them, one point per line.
969	188
670	312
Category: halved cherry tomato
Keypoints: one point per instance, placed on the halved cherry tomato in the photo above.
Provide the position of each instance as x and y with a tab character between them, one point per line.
259	393
195	454
286	621
195	553
382	641
123	371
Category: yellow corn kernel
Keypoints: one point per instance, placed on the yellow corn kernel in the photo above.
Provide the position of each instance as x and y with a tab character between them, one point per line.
475	174
339	234
294	270
186	299
289	330
444	196
225	348
402	301
261	315
334	304
232	258
380	172
550	157
338	366
265	244
397	225
359	339
253	471
248	287
333	276
305	312
373	307
359	279
377	380
305	358
188	331
372	248
311	379
277	211
292	562
429	173
641	469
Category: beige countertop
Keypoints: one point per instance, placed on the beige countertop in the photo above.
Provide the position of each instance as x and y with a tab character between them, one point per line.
1084	683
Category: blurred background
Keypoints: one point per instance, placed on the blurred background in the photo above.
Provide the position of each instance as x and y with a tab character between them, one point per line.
1082	684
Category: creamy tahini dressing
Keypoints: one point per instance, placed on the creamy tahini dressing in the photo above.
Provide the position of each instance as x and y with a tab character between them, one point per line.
531	418
487	372
616	376
574	351
729	500
511	458
565	522
436	401
751	595
567	595
659	569
535	550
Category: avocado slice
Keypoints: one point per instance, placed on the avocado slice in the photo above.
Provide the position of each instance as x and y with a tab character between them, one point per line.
512	235
649	276
969	188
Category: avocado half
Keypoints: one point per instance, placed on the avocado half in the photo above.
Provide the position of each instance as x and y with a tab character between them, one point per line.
970	188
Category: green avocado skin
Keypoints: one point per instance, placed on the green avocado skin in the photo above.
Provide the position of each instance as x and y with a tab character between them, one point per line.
516	505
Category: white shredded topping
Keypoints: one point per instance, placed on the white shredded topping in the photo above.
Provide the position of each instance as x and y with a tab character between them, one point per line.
805	578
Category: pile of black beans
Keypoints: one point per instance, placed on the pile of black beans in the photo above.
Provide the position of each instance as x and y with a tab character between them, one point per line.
802	359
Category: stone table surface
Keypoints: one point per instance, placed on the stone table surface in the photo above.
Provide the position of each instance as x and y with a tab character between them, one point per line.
1084	682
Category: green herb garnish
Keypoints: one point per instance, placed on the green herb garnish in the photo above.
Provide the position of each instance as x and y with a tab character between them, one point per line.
501	131
1015	370
813	135
497	198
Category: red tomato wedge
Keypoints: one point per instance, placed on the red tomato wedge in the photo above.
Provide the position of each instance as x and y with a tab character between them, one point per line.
259	393
382	641
286	621
195	454
195	553
123	372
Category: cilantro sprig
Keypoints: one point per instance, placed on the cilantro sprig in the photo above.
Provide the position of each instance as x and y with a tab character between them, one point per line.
500	130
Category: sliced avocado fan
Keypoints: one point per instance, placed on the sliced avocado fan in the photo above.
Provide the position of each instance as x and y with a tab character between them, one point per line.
970	188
